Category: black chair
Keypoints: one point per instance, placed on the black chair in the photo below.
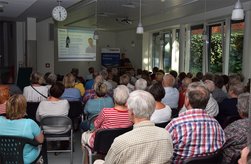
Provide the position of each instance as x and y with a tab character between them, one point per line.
58	128
31	110
11	149
162	125
103	141
214	158
75	113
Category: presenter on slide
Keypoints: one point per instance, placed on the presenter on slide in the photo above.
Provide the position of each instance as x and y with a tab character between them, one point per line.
91	48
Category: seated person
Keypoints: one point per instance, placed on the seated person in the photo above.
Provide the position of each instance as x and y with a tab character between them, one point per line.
194	132
116	117
171	94
13	124
70	93
90	93
50	78
80	86
100	101
36	92
162	112
237	132
141	84
7	80
125	80
54	106
4	96
144	144
228	106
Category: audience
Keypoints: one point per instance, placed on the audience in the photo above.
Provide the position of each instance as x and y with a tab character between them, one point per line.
162	112
70	93
146	143
54	106
15	125
36	92
194	132
237	132
116	117
171	94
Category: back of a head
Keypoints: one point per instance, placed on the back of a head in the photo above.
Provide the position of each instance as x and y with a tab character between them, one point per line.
243	104
16	107
91	70
37	78
218	81
51	79
57	90
124	79
100	89
74	71
157	91
173	73
199	75
69	80
198	95
168	80
141	84
186	81
209	85
141	104
181	76
236	88
121	94
208	76
104	74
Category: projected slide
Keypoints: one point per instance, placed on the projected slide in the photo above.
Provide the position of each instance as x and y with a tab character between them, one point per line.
76	45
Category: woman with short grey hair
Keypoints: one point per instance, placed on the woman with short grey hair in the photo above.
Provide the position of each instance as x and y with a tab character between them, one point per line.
141	104
120	95
113	117
141	84
237	132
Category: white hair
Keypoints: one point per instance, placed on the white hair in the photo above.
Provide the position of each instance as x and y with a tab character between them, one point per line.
141	84
121	94
141	104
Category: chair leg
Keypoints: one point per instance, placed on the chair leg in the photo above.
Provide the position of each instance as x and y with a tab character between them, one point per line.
87	153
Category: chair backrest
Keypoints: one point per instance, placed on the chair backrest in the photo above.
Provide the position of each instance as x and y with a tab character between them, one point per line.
104	138
76	109
11	149
31	110
162	125
56	124
214	158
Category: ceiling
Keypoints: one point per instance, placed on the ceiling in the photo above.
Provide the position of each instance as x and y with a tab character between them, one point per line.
110	14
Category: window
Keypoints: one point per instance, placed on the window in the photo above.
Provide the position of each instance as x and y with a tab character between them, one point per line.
236	47
196	49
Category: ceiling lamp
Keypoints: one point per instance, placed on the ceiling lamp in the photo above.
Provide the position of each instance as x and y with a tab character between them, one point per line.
238	12
95	35
140	29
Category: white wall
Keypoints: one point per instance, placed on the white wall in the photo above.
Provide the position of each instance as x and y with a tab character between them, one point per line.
45	47
124	41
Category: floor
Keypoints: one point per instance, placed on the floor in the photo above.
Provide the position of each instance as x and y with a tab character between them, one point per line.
64	158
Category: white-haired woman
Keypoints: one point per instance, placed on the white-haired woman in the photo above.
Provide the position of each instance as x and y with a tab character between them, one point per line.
116	117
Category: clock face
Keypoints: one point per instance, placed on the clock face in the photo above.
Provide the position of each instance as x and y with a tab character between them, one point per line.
59	13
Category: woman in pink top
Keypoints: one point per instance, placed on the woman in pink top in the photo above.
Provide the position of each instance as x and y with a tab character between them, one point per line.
108	118
4	96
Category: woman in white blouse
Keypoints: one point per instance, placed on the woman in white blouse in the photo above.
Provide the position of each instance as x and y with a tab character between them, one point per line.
36	92
162	112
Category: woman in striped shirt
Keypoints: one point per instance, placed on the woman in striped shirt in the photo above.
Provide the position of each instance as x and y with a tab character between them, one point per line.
108	118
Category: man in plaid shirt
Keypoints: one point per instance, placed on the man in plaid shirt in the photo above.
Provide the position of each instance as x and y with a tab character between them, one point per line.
194	132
